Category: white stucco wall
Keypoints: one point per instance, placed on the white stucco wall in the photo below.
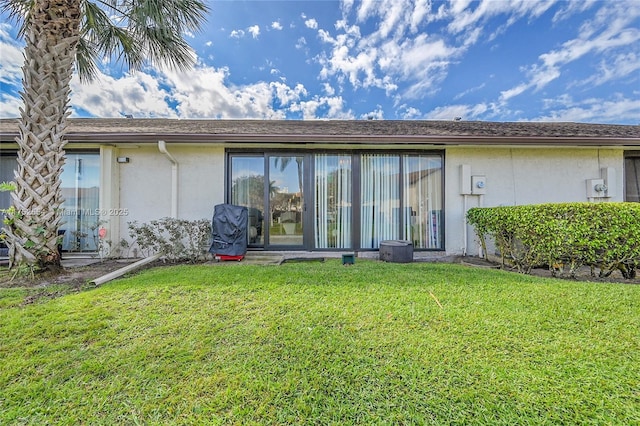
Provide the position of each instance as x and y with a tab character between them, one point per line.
143	189
518	176
514	176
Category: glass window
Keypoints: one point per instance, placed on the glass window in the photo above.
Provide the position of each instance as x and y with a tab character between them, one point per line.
422	176
380	199
332	199
7	164
80	209
80	191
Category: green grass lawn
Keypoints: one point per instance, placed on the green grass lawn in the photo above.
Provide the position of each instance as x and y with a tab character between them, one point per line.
322	343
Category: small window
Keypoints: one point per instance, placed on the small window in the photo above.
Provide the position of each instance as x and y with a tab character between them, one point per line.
632	177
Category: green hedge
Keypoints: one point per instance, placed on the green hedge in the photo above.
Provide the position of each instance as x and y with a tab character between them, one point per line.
564	237
179	240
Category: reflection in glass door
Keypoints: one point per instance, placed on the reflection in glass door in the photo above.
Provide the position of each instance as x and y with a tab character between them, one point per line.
286	200
247	189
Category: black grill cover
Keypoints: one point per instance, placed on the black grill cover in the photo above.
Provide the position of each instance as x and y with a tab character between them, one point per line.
229	230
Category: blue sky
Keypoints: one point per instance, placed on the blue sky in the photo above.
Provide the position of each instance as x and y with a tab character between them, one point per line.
494	60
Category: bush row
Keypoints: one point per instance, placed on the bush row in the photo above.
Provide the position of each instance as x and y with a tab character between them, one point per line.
564	237
177	239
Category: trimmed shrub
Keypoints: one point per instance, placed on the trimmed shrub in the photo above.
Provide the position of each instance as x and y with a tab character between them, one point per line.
177	239
564	237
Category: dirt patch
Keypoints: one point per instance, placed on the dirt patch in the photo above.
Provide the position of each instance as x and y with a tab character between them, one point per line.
47	285
582	274
73	279
76	276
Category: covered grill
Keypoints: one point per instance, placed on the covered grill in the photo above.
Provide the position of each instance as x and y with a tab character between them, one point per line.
229	232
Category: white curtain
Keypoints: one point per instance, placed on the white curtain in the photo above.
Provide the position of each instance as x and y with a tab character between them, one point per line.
380	200
333	198
423	201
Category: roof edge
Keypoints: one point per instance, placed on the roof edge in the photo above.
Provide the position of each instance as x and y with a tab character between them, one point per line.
293	139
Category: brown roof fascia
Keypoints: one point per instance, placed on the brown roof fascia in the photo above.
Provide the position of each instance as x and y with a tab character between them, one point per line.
137	138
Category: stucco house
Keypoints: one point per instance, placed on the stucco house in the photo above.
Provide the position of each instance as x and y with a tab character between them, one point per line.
332	185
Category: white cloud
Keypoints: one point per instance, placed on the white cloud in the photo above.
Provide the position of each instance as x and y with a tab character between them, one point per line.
394	17
12	59
205	93
9	106
505	95
422	62
613	28
394	53
328	89
368	8
467	15
572	7
276	25
376	114
254	30
622	66
287	95
451	112
469	91
237	34
594	110
420	14
137	94
359	70
459	6
346	6
311	23
331	107
409	113
301	43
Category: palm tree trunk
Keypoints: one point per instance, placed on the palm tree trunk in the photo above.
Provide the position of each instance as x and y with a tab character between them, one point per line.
51	43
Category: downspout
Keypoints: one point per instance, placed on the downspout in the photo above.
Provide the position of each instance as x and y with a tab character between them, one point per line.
174	178
464	224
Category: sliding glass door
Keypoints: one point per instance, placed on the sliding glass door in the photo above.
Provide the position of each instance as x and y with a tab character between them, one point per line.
422	187
339	201
286	200
380	199
272	188
248	189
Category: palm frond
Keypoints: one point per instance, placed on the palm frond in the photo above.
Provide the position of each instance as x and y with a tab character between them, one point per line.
17	11
137	32
161	25
134	32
